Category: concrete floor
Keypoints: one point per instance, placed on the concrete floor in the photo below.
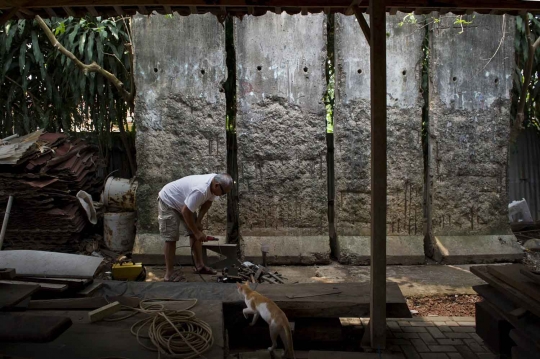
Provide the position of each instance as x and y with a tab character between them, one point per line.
414	281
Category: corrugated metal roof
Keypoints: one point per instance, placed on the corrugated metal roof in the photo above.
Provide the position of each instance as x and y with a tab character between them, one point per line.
524	171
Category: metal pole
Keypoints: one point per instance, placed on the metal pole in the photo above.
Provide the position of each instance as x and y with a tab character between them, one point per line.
5	223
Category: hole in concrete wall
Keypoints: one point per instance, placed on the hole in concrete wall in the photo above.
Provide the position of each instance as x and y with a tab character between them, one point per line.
305	69
202	71
259	68
496	81
454	79
221	89
359	71
155	69
404	72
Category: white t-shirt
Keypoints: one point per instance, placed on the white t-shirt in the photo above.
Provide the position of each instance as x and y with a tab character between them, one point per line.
191	191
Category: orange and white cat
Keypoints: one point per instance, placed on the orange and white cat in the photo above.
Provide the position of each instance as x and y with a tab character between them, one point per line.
259	305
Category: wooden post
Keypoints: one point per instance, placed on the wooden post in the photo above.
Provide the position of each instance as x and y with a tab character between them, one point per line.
377	17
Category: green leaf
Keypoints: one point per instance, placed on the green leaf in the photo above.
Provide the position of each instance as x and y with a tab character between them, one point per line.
82	41
10	34
99	48
73	34
90	48
22	55
21	25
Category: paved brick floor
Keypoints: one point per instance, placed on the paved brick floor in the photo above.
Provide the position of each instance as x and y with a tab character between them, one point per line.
435	338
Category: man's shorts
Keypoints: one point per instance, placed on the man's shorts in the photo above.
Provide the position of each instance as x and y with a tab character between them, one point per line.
171	223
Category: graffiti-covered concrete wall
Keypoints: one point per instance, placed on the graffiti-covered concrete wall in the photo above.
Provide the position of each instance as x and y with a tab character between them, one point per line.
179	108
281	124
471	78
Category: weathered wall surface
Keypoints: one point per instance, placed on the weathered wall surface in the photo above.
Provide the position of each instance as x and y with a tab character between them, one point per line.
471	78
179	109
352	128
281	124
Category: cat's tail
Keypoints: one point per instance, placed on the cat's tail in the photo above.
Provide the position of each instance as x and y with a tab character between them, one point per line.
287	339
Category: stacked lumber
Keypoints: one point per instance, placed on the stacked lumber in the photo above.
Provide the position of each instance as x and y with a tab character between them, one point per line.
508	319
44	172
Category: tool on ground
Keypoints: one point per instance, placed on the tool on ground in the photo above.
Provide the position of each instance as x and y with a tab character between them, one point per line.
211	239
126	269
264	249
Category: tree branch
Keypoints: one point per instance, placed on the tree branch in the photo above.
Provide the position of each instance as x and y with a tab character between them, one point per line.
93	67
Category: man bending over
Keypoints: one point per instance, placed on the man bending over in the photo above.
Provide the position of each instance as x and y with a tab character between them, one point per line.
178	205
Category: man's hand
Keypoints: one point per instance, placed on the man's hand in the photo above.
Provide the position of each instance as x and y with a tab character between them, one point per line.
200	236
199	226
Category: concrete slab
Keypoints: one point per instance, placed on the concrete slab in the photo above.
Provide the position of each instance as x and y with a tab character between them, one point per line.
356	250
414	281
148	249
477	249
285	250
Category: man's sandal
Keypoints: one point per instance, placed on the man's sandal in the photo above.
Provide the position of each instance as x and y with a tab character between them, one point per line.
175	277
204	270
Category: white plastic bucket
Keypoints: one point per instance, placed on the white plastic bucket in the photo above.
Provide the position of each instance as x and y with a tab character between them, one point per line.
119	231
120	194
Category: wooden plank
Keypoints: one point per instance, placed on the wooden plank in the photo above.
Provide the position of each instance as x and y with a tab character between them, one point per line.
42	286
7	273
353	301
363	24
104	312
71	282
513	294
143	10
511	275
82	303
528	325
337	5
351	9
377	11
535	277
15	327
89	290
11	294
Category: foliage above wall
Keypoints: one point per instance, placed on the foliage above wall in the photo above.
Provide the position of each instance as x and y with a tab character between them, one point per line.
42	88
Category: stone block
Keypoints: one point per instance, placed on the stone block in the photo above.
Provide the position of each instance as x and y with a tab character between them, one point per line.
356	250
477	249
179	67
281	124
352	123
304	250
469	112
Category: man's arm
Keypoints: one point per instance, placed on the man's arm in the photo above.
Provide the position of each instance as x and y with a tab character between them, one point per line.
202	212
192	225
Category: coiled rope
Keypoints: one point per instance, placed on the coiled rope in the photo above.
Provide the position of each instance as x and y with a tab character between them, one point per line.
175	333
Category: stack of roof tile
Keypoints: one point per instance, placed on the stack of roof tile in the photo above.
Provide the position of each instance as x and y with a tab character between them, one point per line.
44	172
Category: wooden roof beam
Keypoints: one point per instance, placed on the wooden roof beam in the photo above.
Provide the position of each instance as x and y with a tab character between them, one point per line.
363	24
69	11
27	11
92	10
351	9
193	10
6	16
119	10
51	12
143	10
